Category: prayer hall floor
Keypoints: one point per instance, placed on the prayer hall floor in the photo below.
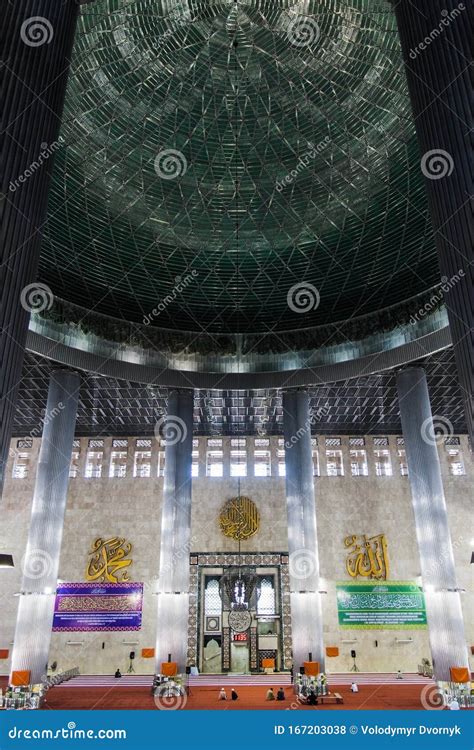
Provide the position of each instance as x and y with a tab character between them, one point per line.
201	698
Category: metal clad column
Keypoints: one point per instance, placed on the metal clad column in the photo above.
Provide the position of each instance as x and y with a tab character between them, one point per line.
306	616
37	39
173	583
443	605
436	37
41	561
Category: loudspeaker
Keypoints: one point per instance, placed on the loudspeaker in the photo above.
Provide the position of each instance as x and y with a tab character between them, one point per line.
169	657
310	656
353	654
301	670
103	645
188	670
376	644
132	654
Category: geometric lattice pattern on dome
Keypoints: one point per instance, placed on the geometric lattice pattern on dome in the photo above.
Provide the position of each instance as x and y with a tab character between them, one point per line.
245	104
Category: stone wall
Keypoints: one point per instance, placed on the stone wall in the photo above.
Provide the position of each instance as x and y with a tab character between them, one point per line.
131	507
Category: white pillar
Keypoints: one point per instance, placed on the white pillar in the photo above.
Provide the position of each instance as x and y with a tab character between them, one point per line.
443	605
306	611
173	583
41	561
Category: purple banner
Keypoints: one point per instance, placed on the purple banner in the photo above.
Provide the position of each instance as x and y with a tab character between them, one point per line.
98	606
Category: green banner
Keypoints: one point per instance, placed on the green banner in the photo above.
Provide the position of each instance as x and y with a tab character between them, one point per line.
384	605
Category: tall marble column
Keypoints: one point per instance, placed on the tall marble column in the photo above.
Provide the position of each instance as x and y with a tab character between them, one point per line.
443	605
306	615
41	561
37	42
173	582
436	38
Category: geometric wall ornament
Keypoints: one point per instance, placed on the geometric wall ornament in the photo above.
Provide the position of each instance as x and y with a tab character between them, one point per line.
212	624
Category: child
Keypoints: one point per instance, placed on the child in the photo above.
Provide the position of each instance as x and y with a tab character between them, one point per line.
270	695
233	694
222	694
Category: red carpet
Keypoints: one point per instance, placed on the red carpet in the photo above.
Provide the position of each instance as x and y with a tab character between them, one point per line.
129	698
389	695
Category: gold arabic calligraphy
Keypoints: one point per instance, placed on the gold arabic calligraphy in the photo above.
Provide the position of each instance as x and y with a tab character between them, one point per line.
239	518
108	559
368	557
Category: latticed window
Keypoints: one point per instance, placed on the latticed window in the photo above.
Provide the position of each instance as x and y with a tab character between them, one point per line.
334	463
161	459
118	459
315	456
383	463
266	600
195	459
281	458
402	461
94	459
142	458
359	466
455	461
262	461
75	456
238	457
215	458
212	598
21	465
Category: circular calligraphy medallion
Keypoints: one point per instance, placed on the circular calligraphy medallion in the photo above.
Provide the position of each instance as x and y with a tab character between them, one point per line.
239	518
240	620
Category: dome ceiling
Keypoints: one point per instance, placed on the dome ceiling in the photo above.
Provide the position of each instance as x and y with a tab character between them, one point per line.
216	154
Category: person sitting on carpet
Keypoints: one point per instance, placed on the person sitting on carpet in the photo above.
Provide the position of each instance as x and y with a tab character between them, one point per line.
281	695
354	687
312	698
118	674
270	695
233	694
222	694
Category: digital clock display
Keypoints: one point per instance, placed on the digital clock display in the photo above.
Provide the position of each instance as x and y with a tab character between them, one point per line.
240	637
